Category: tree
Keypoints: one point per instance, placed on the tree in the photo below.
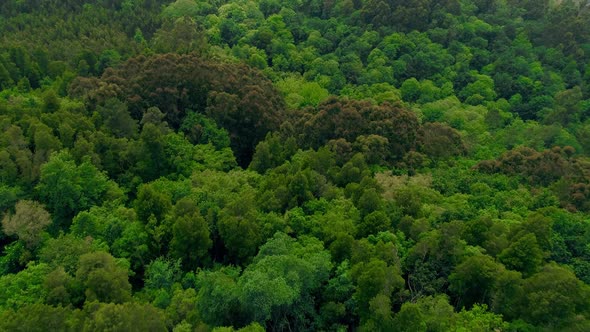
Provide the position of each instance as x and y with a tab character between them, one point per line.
218	297
127	316
28	222
375	148
67	188
25	287
61	288
474	280
373	223
161	274
438	140
9	172
377	12
278	287
36	317
8	195
116	119
567	107
117	227
153	162
239	228
299	93
523	255
180	8
152	202
374	278
5	79
103	278
51	102
432	259
348	119
480	320
554	296
236	97
410	318
272	152
183	307
482	89
45	144
410	90
436	312
180	35
108	58
190	236
65	251
200	129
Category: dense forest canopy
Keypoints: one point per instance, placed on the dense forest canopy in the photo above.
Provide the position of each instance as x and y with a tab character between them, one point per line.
310	165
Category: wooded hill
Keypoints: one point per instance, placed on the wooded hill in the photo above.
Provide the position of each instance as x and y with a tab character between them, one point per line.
251	165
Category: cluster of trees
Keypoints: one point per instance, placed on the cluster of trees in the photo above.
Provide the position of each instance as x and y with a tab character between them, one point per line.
251	165
234	96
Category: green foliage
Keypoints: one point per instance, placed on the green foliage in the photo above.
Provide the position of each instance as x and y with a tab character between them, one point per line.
474	280
161	274
123	317
103	278
554	296
37	317
67	188
65	251
201	130
523	255
479	319
28	222
25	287
218	297
409	318
152	202
272	152
373	279
190	235
276	287
116	119
299	93
239	228
413	165
117	227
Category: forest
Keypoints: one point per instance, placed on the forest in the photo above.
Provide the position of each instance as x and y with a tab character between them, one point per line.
296	165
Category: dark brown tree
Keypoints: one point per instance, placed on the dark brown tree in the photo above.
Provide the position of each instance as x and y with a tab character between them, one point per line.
240	99
336	119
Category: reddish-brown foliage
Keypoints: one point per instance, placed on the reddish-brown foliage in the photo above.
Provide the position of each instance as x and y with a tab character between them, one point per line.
337	119
237	97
